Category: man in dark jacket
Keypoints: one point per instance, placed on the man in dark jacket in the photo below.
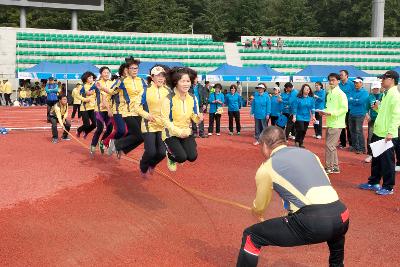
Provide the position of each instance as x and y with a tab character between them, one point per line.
201	94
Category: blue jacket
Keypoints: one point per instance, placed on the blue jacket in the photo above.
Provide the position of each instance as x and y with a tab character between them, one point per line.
303	107
320	101
260	106
52	90
357	102
234	102
285	102
215	106
292	100
276	107
347	88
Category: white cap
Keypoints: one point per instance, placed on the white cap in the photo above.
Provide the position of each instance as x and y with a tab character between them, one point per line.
357	80
157	70
261	86
277	88
376	84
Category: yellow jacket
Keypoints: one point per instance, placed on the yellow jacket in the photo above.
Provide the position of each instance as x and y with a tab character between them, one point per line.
151	101
28	93
1	88
130	92
22	93
92	98
103	96
43	91
75	93
7	88
59	111
177	119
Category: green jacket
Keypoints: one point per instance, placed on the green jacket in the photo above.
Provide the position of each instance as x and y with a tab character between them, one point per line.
337	106
388	119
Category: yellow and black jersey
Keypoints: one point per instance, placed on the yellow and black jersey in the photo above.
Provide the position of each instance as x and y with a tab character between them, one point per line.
298	177
91	105
130	93
60	112
177	113
102	96
151	101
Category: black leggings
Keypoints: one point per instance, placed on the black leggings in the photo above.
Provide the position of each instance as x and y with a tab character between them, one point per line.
101	120
311	224
7	99
76	108
236	115
134	137
301	130
217	118
89	122
154	151
289	126
181	149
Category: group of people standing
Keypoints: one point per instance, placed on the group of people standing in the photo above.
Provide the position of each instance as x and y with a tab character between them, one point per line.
128	111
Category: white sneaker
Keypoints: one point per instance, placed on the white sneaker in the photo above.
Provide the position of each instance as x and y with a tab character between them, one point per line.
209	134
319	137
111	147
368	159
218	134
397	169
292	137
256	143
314	136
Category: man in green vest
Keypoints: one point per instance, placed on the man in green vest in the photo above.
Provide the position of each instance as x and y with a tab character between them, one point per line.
335	112
386	127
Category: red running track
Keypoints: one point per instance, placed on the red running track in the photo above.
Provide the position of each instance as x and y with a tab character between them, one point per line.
61	208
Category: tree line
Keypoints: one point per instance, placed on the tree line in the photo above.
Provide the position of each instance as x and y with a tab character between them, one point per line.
225	20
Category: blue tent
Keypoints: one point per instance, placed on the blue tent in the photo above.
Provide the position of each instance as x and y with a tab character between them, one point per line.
319	73
397	69
261	73
144	67
45	69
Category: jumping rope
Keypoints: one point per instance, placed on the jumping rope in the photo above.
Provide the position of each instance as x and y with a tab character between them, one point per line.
174	181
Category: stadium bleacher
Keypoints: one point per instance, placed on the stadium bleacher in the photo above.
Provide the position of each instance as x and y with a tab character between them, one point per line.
203	54
368	55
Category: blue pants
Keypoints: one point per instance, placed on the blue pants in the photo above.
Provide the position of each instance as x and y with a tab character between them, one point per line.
357	133
260	125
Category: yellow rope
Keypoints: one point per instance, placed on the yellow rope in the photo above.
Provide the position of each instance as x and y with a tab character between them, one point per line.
174	181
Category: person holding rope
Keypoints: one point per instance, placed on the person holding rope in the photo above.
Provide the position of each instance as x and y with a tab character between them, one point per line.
315	213
102	105
152	126
177	111
88	97
132	88
59	113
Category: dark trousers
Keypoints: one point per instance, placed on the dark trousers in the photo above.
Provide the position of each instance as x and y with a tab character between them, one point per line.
101	120
273	120
134	136
89	122
236	115
289	126
344	132
318	124
200	128
217	118
50	104
301	130
76	108
370	133
357	132
119	129
54	121
7	98
154	151
383	166
1	98
310	225
397	149
181	149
